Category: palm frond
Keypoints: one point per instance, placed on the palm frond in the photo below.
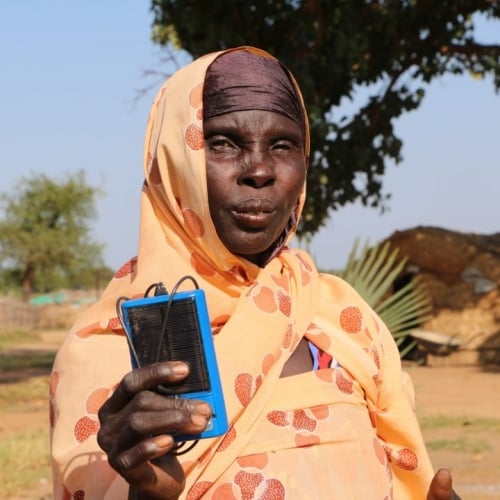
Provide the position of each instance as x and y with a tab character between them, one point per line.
372	271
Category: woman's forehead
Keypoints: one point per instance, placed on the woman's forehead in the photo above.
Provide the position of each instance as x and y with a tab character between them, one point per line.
255	122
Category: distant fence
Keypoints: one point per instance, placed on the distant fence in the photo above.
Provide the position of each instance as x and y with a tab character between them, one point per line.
18	315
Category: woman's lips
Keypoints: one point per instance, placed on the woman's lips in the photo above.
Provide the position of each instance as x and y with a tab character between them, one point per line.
254	214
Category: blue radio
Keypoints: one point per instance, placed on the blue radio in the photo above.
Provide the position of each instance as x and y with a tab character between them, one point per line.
176	327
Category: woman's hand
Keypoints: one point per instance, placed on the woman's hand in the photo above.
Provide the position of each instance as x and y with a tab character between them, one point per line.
137	425
441	487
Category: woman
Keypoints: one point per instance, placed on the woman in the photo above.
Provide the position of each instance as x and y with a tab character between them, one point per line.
316	401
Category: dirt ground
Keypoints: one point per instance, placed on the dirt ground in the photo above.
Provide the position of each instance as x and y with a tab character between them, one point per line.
467	442
470	445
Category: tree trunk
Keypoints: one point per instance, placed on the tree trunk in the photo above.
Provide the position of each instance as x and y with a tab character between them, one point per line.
28	277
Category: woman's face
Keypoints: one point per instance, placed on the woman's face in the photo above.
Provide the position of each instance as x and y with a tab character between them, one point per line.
256	169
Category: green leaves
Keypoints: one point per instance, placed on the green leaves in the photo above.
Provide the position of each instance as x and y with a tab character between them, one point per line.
375	273
387	50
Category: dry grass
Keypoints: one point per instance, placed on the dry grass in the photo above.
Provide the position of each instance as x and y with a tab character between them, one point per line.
15	338
24	462
24	436
468	424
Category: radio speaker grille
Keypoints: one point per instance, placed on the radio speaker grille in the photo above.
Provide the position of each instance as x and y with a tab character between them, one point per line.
182	340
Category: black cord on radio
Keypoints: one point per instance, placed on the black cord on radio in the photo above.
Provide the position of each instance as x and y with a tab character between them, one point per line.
159	289
167	314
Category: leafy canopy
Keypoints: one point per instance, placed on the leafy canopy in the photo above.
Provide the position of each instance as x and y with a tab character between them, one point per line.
386	50
45	232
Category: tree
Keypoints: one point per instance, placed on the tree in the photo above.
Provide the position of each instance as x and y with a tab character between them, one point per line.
45	233
388	49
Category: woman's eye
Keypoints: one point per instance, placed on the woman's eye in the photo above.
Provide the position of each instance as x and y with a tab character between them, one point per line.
282	146
220	143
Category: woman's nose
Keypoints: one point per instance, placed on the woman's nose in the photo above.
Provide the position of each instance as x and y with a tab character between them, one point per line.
257	170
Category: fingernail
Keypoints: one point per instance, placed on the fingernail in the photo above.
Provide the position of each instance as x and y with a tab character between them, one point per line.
199	420
180	368
203	409
163	441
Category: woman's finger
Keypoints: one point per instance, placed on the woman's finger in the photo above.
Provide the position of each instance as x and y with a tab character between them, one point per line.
148	468
441	487
144	451
186	417
149	414
142	379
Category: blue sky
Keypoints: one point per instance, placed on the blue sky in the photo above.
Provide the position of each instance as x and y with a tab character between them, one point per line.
70	75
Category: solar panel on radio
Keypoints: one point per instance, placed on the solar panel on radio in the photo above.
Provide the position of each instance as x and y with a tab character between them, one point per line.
182	341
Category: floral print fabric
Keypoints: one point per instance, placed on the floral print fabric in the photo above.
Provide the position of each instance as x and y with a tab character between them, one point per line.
345	430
